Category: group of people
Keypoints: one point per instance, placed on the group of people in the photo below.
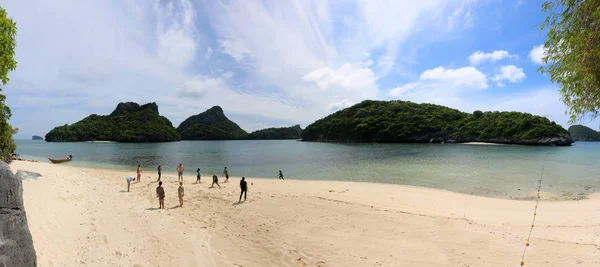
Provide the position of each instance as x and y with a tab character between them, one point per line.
160	191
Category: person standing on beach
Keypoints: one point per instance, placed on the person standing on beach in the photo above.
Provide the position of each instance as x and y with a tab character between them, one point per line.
160	193
139	173
226	173
180	193
159	170
244	189
180	170
198	176
215	181
281	175
129	178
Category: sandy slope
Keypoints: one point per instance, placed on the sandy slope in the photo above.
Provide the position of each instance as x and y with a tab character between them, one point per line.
83	217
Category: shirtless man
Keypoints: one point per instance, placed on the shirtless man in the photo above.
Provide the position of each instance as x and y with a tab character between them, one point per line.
139	173
180	170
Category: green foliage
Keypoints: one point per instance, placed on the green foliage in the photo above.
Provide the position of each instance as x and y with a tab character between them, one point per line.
403	121
573	53
128	123
210	125
583	133
8	43
294	132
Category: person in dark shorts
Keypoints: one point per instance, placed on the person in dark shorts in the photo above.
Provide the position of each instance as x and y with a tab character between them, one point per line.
281	175
226	173
198	176
159	172
160	193
243	188
215	181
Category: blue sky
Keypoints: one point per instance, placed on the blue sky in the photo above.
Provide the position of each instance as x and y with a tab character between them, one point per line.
273	63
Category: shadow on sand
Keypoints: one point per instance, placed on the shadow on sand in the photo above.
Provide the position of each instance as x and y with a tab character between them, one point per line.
152	209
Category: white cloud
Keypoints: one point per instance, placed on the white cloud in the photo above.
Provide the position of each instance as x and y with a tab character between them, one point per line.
462	14
466	77
340	105
509	73
235	49
175	32
537	53
441	86
480	57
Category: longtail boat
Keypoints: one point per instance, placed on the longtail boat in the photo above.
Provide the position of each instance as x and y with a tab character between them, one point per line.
61	160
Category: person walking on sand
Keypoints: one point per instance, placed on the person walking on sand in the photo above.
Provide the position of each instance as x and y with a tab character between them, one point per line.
180	170
139	173
198	176
244	189
129	178
159	171
215	181
281	175
226	174
160	193
180	193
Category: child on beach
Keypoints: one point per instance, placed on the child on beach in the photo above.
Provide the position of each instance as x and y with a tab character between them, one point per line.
180	170
281	175
180	193
129	178
215	181
160	193
226	173
139	173
244	189
198	176
159	169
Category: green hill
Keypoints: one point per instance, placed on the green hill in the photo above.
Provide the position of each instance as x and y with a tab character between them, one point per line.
210	125
294	132
403	121
129	122
583	133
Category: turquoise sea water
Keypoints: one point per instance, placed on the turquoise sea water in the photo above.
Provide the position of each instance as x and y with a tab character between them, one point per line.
496	171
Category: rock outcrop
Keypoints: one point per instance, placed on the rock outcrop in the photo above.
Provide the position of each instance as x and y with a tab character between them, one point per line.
16	244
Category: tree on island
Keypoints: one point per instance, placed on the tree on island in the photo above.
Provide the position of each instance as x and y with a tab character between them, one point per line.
8	32
572	53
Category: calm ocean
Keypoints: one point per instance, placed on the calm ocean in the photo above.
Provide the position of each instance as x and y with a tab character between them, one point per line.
495	171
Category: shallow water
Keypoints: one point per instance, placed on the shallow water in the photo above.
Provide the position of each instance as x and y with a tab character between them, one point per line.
496	171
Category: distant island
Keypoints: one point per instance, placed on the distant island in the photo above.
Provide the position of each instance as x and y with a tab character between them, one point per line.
37	137
583	133
408	122
211	124
129	122
294	132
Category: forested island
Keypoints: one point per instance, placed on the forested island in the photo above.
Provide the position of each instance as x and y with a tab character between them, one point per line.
583	133
407	122
211	124
294	132
37	137
129	122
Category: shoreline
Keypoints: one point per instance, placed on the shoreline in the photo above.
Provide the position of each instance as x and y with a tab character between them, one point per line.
96	222
555	196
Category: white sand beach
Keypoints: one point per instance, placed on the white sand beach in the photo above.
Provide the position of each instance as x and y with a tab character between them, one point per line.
85	217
